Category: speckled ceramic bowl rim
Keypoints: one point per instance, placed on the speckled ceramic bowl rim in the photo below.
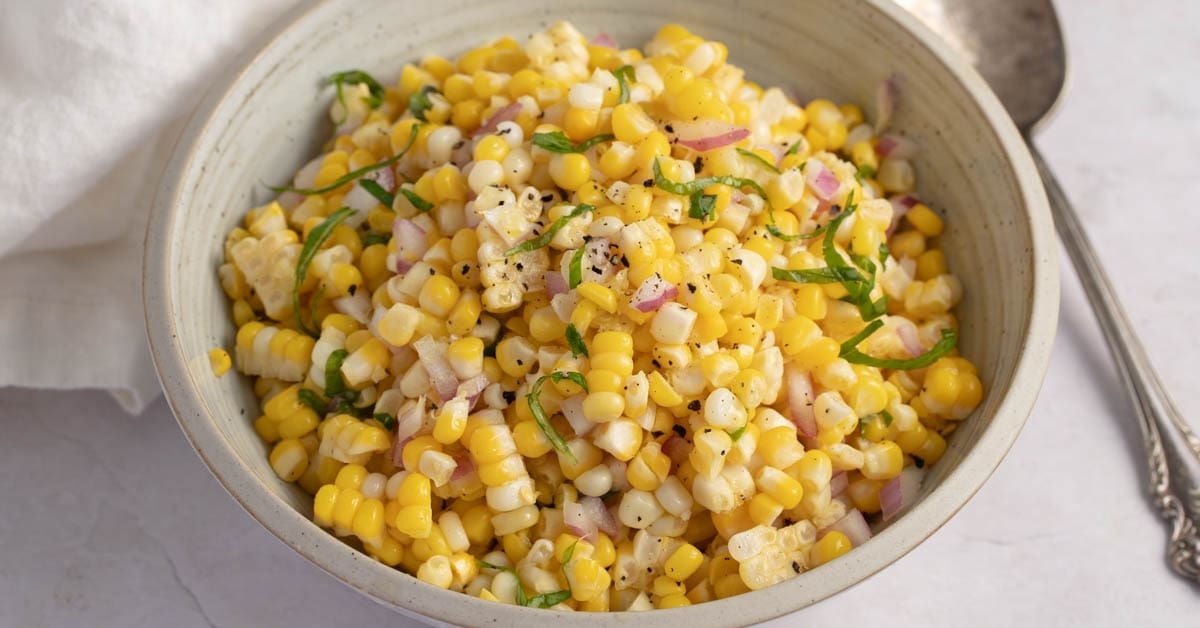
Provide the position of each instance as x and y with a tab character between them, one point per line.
408	595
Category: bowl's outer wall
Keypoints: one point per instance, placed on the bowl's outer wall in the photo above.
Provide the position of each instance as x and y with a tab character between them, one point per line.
270	118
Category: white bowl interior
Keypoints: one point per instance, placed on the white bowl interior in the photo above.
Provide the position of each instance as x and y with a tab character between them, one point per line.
272	119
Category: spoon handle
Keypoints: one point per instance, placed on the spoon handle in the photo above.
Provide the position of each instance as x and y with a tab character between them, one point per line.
1172	449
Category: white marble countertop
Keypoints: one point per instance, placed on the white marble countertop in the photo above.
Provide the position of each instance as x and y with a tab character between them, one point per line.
111	520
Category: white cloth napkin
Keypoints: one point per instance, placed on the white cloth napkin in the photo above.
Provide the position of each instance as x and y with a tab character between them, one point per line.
93	95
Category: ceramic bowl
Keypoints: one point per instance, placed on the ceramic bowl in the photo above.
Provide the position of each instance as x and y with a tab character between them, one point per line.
269	116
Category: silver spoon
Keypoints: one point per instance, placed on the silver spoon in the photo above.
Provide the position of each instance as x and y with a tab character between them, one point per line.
1018	48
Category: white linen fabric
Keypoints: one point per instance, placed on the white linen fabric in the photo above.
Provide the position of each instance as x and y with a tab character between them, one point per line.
94	95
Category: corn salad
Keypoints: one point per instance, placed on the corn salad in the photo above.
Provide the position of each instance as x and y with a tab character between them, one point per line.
571	326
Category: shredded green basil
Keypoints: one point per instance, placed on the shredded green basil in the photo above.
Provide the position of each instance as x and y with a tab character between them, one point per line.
575	341
354	77
795	148
815	275
624	74
569	553
864	172
312	244
545	238
374	189
546	600
575	269
758	159
774	230
558	142
311	399
344	179
539	415
738	432
386	420
371	238
943	347
416	200
334	384
858	283
702	206
419	103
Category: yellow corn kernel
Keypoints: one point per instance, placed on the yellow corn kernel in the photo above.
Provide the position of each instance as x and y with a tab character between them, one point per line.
648	468
684	562
602	296
220	361
439	295
530	440
570	171
502	472
925	220
491	148
289	459
821	352
864	494
323	504
930	264
631	124
465	314
882	461
932	449
829	547
588	579
580	124
764	509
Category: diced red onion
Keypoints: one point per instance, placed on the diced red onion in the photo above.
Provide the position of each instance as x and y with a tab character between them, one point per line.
838	483
308	174
777	153
385	177
503	114
357	306
676	448
577	521
409	418
800	400
604	39
596	511
564	304
821	179
555	284
886	96
716	141
464	468
687	132
900	206
290	200
653	293
360	199
572	410
411	243
854	526
472	389
892	145
900	492
616	468
909	337
462	156
441	376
